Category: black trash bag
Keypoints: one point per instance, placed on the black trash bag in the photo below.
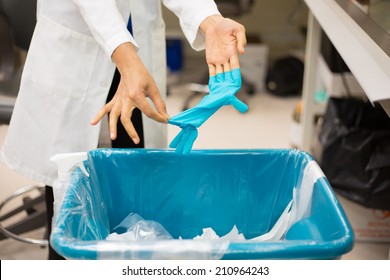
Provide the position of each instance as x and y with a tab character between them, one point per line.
355	157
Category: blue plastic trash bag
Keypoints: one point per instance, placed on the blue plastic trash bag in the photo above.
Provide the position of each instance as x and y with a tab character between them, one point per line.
280	196
223	88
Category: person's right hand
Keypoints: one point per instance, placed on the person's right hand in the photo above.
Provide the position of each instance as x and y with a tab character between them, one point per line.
135	85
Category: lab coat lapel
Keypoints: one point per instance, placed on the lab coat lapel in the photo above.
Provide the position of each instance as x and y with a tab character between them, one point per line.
149	32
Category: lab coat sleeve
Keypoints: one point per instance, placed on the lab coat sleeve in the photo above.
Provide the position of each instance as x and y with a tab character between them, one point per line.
106	23
191	13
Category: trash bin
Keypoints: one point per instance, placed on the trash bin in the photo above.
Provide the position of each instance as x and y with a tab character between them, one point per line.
249	189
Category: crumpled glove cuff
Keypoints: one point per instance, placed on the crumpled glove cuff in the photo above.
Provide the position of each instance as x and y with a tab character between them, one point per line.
184	141
223	88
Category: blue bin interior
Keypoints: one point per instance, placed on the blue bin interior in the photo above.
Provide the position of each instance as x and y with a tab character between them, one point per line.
217	189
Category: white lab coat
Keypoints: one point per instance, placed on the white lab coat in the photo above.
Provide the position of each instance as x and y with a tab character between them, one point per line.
68	73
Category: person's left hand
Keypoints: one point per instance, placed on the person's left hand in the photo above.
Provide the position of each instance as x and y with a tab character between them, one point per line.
135	86
225	40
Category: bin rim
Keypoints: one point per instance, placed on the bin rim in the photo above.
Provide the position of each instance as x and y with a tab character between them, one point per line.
265	249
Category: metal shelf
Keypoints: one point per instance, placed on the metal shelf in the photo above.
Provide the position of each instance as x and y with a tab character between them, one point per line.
357	43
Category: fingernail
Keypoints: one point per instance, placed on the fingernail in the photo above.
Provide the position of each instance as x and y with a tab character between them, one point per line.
112	135
135	140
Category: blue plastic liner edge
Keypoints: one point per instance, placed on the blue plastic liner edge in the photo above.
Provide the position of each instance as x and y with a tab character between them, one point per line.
185	193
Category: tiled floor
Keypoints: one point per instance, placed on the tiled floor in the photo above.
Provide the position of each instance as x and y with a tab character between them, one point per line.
265	125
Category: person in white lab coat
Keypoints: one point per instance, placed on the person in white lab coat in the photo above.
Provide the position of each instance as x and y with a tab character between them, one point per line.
76	46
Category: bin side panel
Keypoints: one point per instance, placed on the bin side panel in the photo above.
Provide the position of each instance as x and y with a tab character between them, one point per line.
188	193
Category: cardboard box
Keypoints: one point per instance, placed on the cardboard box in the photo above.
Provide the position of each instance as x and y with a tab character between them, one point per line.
368	224
254	65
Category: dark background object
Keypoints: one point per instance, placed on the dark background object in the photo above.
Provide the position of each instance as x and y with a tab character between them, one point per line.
355	157
17	23
332	58
174	49
285	77
22	18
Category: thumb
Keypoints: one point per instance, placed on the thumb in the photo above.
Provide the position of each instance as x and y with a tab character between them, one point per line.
241	38
238	104
158	102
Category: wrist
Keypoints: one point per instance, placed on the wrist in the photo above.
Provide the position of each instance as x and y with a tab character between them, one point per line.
210	21
124	56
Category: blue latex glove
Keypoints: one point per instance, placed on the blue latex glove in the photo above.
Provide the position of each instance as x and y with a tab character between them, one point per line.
223	88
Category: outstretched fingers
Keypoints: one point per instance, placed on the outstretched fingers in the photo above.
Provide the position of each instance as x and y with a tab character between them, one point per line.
127	111
234	62
105	110
113	121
